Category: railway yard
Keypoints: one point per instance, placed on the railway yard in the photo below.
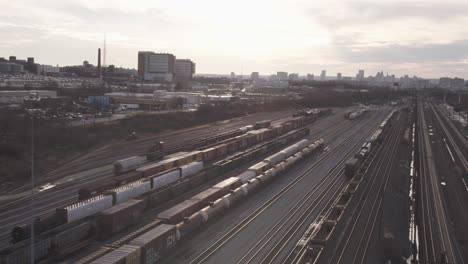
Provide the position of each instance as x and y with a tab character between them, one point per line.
367	184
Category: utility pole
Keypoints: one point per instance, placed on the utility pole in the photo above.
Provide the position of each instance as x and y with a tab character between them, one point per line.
32	189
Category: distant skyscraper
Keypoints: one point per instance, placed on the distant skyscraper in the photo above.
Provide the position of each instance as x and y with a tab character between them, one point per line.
293	76
282	76
184	69
323	75
254	76
156	66
360	75
338	76
233	76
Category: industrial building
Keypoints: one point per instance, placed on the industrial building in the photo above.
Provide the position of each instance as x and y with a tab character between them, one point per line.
156	66
452	84
184	69
10	67
47	69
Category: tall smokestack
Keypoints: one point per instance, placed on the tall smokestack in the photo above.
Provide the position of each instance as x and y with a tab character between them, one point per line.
99	73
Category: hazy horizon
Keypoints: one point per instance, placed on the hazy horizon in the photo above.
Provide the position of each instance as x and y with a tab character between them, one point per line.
425	38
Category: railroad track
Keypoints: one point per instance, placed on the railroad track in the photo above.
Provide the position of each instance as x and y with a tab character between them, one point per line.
106	154
173	142
221	242
49	201
369	204
311	200
435	234
454	150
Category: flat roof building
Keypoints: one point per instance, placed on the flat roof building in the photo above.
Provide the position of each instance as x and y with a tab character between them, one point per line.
10	67
156	66
184	69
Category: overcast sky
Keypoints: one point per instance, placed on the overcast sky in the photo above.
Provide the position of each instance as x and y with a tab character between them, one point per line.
424	38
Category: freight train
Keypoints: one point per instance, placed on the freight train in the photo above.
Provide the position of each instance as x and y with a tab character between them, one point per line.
353	164
125	214
172	224
353	115
148	180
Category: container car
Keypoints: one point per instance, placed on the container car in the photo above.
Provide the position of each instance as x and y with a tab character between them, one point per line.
95	189
191	168
120	217
126	254
262	124
209	154
156	243
69	237
20	253
178	212
41	225
164	178
351	167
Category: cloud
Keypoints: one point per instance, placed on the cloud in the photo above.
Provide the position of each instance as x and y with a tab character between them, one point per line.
265	35
423	53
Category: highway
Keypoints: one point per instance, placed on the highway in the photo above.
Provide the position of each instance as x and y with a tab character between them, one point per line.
266	226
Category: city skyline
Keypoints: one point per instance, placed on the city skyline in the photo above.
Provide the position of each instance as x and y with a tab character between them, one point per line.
427	39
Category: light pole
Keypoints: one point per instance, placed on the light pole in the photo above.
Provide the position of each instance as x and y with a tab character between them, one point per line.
32	188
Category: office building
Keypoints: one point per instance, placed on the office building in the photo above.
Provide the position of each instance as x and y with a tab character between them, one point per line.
360	75
156	66
323	75
338	76
184	69
293	76
282	76
310	77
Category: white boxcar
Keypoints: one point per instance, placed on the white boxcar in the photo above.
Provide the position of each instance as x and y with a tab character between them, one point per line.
191	168
276	158
129	191
246	176
166	178
128	164
85	208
